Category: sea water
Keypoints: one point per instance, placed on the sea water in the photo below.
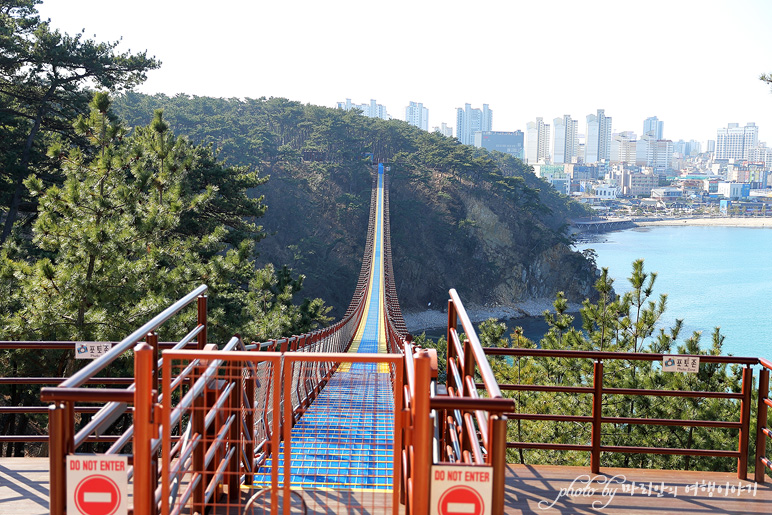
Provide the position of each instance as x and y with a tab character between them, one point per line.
713	276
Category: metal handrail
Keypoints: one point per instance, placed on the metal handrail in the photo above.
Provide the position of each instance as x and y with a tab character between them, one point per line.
489	379
62	438
80	377
631	356
598	390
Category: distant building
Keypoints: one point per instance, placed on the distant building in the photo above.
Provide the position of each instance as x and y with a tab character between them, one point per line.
761	154
653	127
537	138
667	194
687	148
507	142
657	154
469	121
735	142
566	146
417	115
734	190
444	130
584	172
623	148
606	191
662	155
711	185
638	184
556	176
711	146
754	174
371	110
692	186
597	146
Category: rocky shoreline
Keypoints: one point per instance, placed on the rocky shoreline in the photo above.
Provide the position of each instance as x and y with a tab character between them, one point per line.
432	318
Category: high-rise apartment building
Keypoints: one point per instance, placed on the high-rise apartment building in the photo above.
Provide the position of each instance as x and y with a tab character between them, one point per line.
417	115
761	154
653	127
662	155
597	146
735	142
623	148
687	148
566	145
654	153
537	136
444	130
469	121
371	110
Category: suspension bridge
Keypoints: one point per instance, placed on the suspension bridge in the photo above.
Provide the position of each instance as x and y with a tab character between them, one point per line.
348	419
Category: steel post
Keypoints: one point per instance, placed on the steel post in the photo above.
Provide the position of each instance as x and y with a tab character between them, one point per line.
761	422
597	414
201	317
497	455
144	402
198	427
745	421
422	443
235	404
56	459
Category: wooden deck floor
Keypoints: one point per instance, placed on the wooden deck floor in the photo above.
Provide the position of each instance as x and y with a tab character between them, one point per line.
23	486
530	490
574	491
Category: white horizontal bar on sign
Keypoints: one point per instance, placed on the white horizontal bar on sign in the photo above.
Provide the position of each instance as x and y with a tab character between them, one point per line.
97	497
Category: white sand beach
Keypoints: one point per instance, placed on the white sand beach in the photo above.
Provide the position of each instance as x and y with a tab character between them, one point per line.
716	221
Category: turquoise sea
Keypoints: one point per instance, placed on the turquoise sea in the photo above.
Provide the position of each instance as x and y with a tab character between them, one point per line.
713	276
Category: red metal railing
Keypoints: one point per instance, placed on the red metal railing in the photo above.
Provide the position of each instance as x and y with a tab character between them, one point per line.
597	419
471	429
450	425
33	435
63	439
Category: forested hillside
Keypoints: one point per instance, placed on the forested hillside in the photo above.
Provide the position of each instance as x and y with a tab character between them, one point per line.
461	217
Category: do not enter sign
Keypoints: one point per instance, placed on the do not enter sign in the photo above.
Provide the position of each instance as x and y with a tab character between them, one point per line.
97	495
461	490
97	485
459	500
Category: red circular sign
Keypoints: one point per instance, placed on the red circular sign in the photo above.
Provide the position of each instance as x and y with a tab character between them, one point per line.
97	495
461	500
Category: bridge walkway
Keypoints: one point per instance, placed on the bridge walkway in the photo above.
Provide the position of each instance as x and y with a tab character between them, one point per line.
345	438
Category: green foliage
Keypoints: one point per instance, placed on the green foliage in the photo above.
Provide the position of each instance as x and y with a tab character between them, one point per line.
44	76
441	346
140	220
766	77
626	323
443	195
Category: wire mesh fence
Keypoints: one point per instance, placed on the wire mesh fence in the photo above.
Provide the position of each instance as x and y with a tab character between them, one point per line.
231	444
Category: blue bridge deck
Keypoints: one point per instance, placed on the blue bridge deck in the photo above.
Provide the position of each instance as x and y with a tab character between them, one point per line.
345	439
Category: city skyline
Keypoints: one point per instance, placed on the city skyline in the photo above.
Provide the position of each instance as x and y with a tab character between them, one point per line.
705	60
599	143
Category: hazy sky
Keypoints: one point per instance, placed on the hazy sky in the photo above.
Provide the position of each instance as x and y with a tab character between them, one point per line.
694	64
